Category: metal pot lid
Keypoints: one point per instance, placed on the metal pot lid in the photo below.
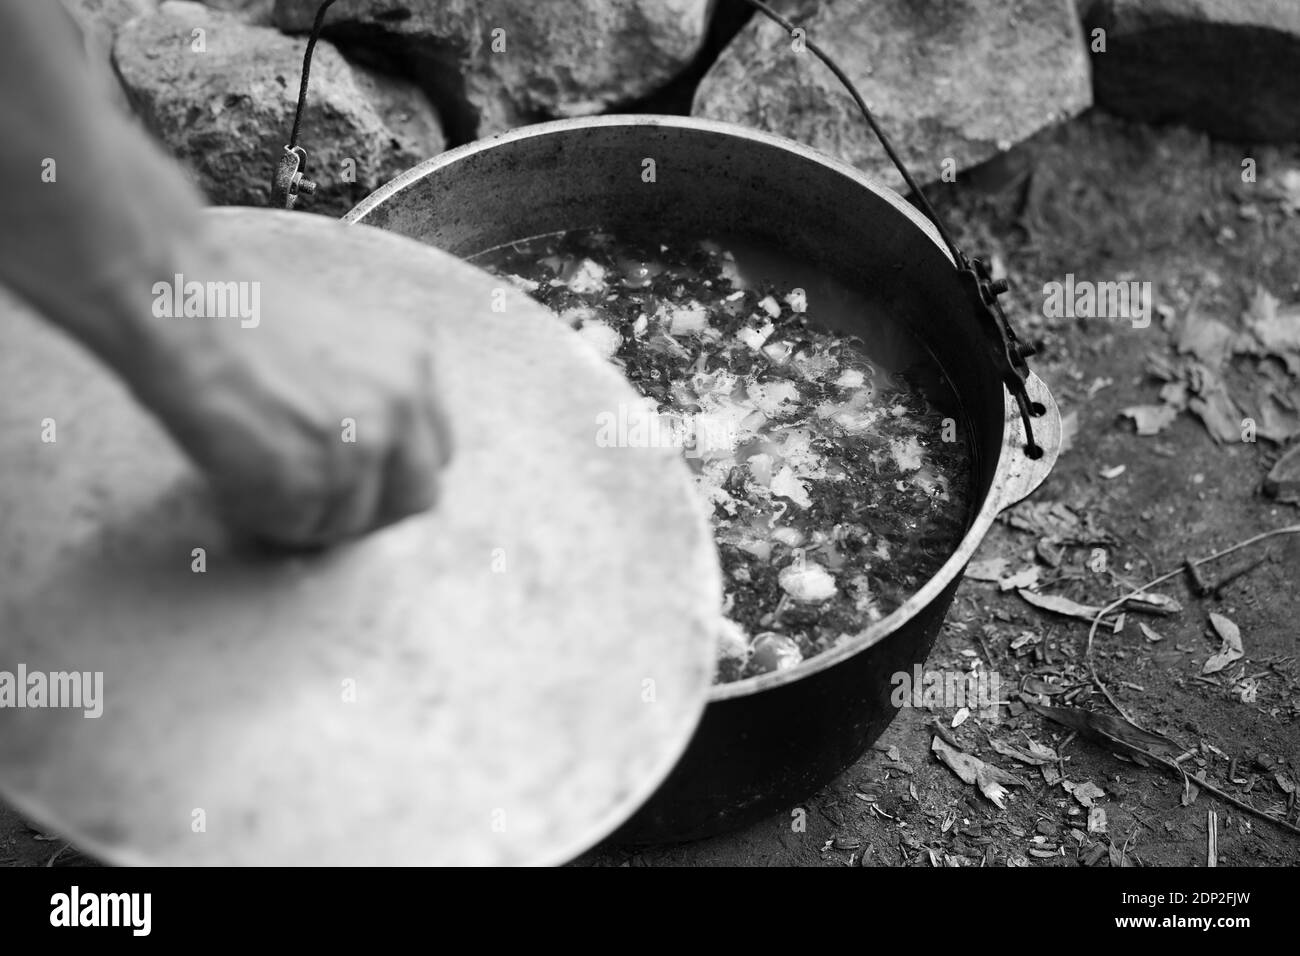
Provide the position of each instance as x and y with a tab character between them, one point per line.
404	699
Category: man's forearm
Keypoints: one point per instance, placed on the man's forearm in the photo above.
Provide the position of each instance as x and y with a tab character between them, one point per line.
95	213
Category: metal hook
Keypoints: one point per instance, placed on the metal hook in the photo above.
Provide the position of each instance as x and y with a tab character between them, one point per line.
289	183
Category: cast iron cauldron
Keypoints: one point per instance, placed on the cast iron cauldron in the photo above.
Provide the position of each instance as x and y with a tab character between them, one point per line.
768	742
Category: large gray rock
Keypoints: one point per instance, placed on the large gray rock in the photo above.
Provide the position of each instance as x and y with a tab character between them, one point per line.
560	57
959	80
1230	67
227	111
253	11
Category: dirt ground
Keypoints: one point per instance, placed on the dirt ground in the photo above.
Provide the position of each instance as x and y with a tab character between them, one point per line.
1104	200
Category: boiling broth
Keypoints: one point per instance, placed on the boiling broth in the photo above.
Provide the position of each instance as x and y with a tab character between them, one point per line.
835	467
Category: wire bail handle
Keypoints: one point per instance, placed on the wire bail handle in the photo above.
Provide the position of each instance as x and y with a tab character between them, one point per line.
288	182
982	291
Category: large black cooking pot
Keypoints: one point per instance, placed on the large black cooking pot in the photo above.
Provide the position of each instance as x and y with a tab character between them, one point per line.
768	742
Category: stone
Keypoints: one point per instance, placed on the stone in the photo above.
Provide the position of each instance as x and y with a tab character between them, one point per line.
252	11
495	64
952	84
227	111
1229	67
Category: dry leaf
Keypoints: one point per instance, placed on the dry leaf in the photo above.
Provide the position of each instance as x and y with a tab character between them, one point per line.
1050	551
1150	635
1283	480
1213	405
990	569
1085	793
1060	605
1151	419
1037	756
1096	820
1114	732
1285	188
1230	650
972	770
1153	603
1277	423
1206	338
1028	578
1026	637
1276	330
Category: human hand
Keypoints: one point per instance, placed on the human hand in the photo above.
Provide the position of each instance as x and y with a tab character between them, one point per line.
312	422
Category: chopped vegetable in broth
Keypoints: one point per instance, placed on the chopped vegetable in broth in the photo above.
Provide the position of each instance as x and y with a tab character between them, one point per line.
835	469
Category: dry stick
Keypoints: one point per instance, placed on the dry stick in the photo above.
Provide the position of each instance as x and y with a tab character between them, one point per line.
1092	670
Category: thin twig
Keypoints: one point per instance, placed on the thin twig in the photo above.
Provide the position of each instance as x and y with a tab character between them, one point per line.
1092	631
1092	670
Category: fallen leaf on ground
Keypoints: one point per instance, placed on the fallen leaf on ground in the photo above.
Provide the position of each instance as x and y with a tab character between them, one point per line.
1285	188
1096	820
989	569
1049	519
1205	337
1214	406
1283	481
972	770
1036	685
1113	732
1151	419
1050	551
1060	605
1229	650
1149	634
1037	756
1277	423
1026	637
1028	578
1085	793
1153	603
1275	329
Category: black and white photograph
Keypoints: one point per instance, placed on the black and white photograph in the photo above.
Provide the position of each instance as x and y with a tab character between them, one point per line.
652	433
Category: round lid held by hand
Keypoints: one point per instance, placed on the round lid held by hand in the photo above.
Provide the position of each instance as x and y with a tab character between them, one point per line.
500	680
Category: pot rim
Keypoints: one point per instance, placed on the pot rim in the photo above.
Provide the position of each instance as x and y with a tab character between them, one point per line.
1015	474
